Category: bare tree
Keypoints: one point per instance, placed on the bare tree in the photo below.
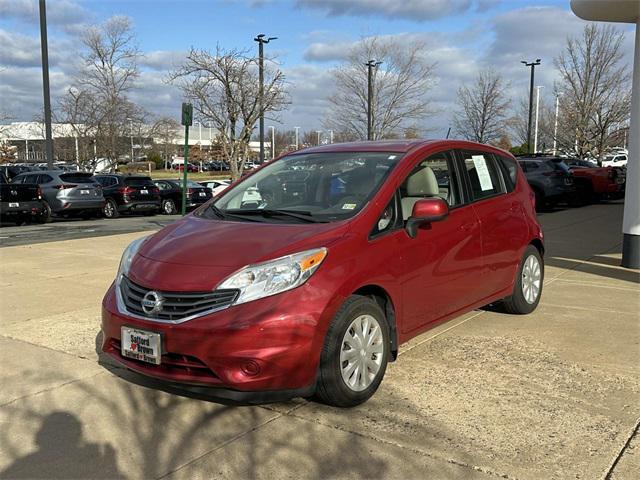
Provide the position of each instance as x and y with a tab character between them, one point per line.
400	86
110	70
595	90
164	129
223	87
482	114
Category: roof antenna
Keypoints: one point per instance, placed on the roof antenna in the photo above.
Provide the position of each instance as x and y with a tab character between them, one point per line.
448	132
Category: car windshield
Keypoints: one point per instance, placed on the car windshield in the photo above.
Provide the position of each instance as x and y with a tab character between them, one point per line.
323	187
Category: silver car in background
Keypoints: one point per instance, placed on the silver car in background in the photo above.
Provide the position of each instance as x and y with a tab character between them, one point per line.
66	193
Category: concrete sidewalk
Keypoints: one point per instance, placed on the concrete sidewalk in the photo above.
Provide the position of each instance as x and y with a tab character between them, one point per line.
555	394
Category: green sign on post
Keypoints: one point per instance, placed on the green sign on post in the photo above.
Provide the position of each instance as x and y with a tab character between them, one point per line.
187	121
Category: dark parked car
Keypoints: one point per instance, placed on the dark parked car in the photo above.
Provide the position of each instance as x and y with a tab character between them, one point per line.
20	203
66	194
171	193
11	171
127	194
550	179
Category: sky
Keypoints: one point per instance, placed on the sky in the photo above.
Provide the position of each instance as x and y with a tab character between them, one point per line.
462	37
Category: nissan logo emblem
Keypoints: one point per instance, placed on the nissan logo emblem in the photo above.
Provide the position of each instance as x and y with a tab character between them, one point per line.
152	303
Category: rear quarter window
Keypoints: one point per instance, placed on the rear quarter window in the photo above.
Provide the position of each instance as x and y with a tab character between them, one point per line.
509	169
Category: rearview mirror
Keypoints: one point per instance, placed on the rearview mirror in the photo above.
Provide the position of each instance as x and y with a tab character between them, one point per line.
424	212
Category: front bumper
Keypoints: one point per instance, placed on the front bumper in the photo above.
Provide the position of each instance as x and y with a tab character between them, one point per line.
267	345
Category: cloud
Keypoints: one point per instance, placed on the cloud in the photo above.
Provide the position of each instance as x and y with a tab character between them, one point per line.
417	10
59	12
163	59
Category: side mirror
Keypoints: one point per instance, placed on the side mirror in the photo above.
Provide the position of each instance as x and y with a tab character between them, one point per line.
424	212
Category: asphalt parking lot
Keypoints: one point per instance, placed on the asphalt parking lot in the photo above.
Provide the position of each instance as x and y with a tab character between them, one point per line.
555	394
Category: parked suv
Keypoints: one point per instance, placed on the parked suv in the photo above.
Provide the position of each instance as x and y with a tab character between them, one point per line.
66	193
128	193
20	202
316	288
550	179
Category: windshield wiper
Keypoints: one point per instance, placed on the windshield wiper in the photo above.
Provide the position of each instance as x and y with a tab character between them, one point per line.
269	212
224	214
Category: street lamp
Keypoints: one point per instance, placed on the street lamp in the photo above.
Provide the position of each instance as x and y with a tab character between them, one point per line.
131	134
273	142
297	128
330	136
319	132
371	64
555	124
535	137
261	41
533	67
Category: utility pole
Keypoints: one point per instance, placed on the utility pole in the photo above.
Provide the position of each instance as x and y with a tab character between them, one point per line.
555	124
533	67
371	64
319	132
297	128
330	136
535	137
261	41
45	84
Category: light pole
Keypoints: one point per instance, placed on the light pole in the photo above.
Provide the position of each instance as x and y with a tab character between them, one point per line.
261	41
371	64
319	132
44	48
533	67
273	142
535	137
330	136
131	134
297	128
555	124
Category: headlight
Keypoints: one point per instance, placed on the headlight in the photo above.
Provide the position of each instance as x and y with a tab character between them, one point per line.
128	254
275	276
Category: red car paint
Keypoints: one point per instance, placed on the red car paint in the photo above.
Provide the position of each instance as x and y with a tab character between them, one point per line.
602	181
465	261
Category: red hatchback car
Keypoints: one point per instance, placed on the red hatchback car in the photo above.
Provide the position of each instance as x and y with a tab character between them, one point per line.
305	277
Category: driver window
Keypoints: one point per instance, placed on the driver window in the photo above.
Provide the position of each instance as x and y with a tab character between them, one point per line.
432	177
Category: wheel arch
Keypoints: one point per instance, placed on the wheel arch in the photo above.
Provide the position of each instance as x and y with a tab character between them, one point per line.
536	242
382	298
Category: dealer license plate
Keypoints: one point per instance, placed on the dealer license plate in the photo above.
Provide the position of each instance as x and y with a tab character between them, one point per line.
14	204
203	194
140	345
84	192
144	192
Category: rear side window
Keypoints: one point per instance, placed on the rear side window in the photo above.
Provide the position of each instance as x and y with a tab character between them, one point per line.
44	178
75	178
138	181
510	171
483	175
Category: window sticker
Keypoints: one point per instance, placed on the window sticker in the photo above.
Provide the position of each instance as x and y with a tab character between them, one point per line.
483	172
348	206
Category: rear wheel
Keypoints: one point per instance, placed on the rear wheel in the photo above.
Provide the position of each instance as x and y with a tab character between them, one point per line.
528	285
355	354
168	207
110	209
45	215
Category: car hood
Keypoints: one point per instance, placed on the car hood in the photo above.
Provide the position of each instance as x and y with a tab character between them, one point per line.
212	243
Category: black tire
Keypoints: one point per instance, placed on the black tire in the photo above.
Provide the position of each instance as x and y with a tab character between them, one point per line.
45	215
110	209
331	388
541	201
169	207
517	303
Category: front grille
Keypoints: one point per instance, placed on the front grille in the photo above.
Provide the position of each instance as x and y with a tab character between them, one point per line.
176	305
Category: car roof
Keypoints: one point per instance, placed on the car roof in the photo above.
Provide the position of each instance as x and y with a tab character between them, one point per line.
398	146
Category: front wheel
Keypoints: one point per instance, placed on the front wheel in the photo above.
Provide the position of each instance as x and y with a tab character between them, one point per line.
110	209
355	354
527	288
45	214
168	207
